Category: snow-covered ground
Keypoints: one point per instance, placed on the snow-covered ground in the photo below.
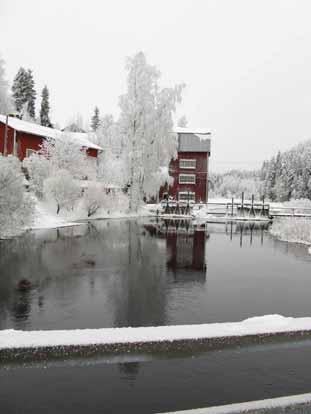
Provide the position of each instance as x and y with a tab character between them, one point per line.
269	324
291	229
282	404
45	215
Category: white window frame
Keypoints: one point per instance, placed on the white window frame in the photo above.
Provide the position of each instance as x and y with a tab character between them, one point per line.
187	160
191	195
191	180
29	152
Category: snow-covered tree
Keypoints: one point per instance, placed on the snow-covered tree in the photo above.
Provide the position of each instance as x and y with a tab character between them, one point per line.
93	198
24	93
232	183
38	168
31	95
146	123
182	122
75	124
95	121
5	100
15	204
19	88
64	154
63	189
288	174
45	108
112	162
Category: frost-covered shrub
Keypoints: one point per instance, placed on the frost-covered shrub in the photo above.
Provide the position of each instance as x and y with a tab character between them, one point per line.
296	230
38	169
93	198
16	205
64	154
233	183
63	189
116	202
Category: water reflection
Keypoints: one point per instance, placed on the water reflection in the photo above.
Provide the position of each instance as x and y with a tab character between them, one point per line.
246	229
141	273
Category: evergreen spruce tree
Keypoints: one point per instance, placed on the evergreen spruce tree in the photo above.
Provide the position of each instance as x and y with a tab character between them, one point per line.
95	121
24	94
45	108
19	89
31	95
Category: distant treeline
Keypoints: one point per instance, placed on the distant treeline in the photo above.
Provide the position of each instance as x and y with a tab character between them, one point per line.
285	176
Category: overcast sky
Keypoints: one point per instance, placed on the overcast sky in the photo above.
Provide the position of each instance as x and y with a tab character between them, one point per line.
246	63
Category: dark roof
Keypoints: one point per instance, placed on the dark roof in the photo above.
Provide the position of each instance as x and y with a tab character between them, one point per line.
189	142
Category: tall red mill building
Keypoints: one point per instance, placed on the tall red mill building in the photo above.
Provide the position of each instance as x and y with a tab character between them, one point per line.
190	169
23	138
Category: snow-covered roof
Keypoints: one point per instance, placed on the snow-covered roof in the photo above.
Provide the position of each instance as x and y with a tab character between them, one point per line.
199	131
81	138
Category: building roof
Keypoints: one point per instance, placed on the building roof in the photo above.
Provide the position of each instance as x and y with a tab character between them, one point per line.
193	140
80	138
200	131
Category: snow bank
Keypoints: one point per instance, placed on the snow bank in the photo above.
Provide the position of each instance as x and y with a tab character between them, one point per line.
280	403
269	324
44	219
295	230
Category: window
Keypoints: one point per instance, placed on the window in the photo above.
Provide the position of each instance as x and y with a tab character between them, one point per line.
186	178
29	152
186	195
187	163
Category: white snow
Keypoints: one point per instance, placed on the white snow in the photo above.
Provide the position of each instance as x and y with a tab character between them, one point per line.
292	229
45	216
196	131
35	129
253	326
44	219
277	403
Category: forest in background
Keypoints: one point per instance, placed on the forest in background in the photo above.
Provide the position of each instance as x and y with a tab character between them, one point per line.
284	177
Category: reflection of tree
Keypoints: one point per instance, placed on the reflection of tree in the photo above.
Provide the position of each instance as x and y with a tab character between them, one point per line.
141	296
130	370
21	308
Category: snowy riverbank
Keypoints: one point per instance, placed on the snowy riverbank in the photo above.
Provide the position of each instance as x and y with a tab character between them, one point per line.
45	216
294	230
263	325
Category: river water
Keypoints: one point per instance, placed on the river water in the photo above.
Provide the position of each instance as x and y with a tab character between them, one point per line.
144	273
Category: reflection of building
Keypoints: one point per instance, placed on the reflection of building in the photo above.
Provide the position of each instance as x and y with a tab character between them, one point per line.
190	169
185	246
186	251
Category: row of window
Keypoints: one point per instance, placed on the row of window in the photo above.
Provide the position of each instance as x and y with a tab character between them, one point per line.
187	163
186	178
186	195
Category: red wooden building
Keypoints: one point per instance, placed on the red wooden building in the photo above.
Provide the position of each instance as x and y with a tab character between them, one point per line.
24	138
190	169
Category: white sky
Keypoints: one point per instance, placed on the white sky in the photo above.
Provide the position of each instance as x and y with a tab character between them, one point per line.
246	63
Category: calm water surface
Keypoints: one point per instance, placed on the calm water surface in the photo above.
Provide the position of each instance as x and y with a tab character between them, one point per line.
155	386
142	273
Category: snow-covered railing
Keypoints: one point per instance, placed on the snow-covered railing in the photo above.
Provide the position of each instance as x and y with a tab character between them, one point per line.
85	342
290	211
290	404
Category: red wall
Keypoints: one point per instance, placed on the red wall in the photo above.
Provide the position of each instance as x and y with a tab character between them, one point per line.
27	141
9	141
92	152
201	173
